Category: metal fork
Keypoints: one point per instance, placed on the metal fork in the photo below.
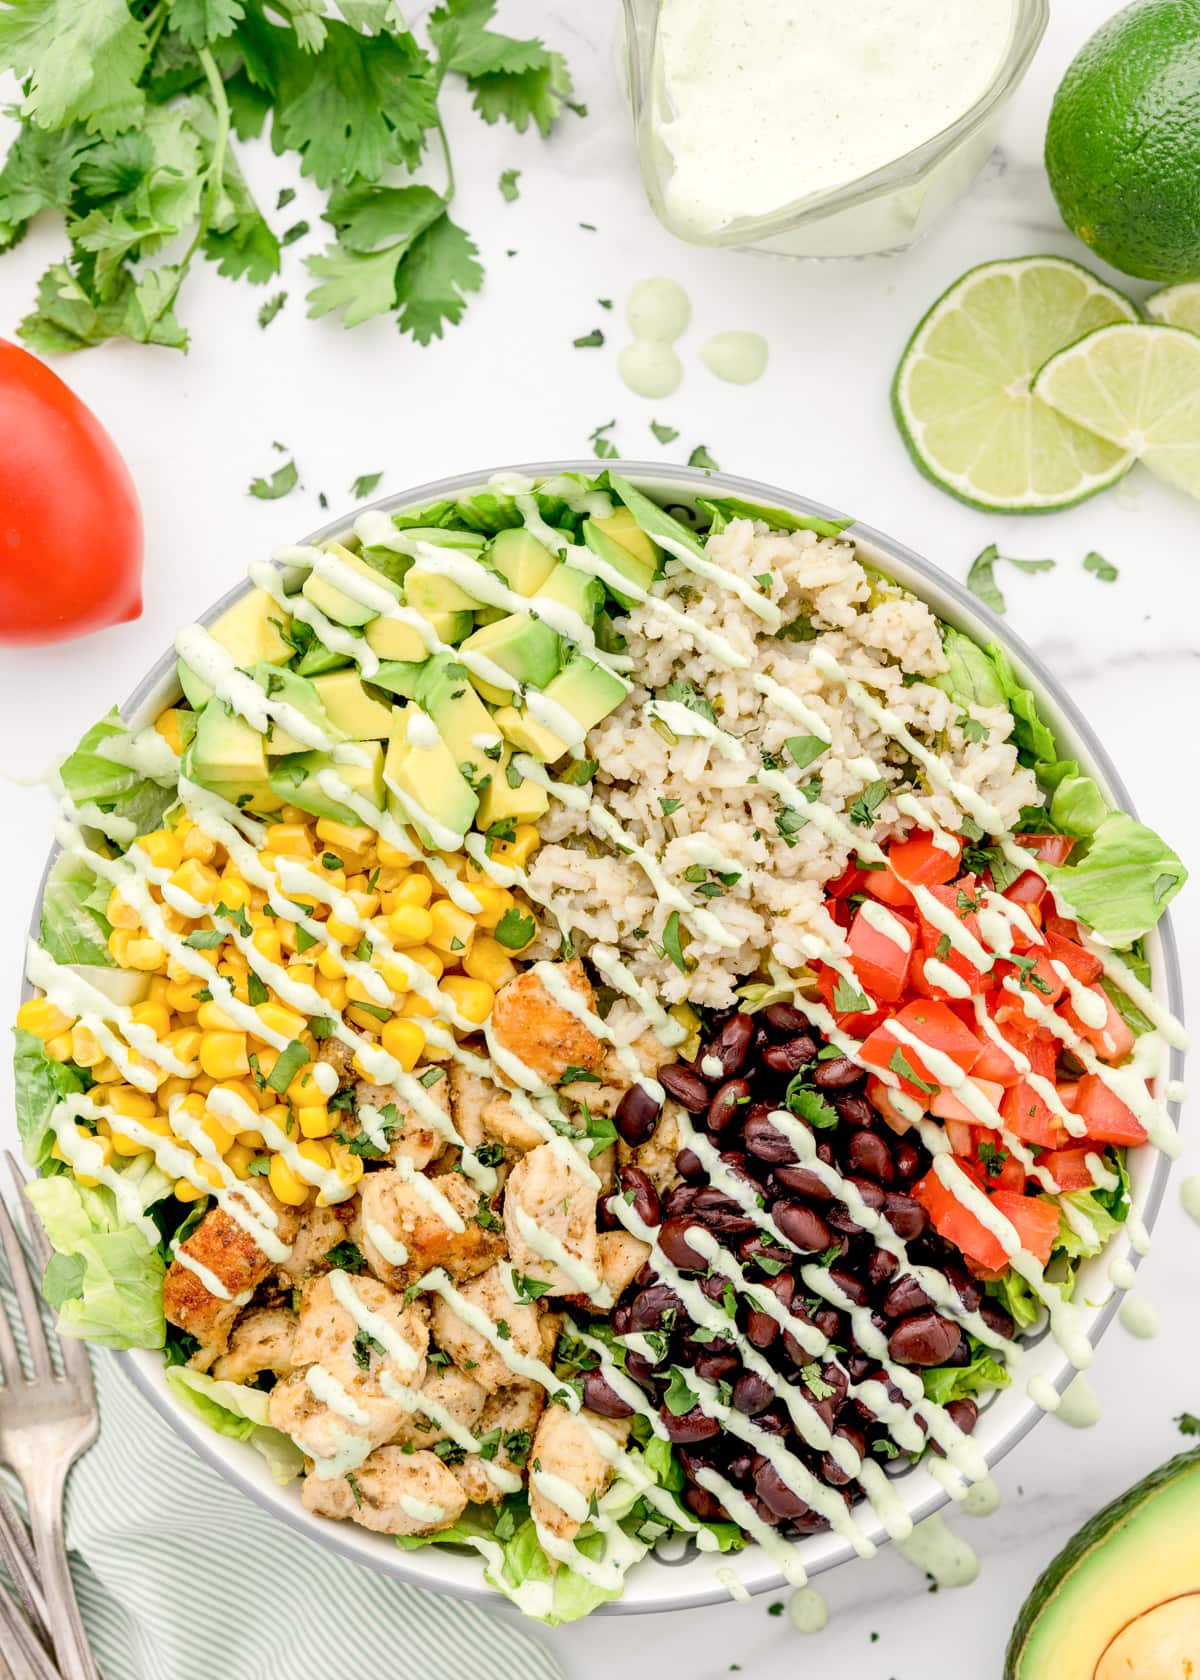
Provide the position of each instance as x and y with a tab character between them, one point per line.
46	1422
24	1657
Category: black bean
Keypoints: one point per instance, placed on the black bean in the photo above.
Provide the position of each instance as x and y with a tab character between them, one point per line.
648	1308
850	1284
838	1074
775	1493
857	1366
855	1110
681	1198
715	1367
731	1043
774	1420
906	1217
785	1018
825	1152
790	1056
703	1504
758	1248
802	1181
904	1298
637	1115
841	1219
672	1239
764	1140
729	1104
643	1371
867	1153
719	1212
802	1226
870	1192
689	1165
997	1319
704	1455
965	1414
764	1512
751	1394
599	1396
638	1191
970	1290
688	1089
925	1339
830	1470
691	1426
620	1318
882	1265
907	1159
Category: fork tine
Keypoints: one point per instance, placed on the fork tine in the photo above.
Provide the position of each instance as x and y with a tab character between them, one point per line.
27	1301
72	1352
21	1645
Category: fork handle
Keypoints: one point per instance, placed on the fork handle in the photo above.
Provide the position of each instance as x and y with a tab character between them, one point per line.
72	1651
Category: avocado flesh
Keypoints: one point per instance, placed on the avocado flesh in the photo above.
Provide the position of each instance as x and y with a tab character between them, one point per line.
301	692
583	689
617	557
499	801
248	631
319	659
425	787
522	561
229	758
463	721
1108	1592
295	780
431	591
623	528
400	677
524	646
351	709
568	587
337	606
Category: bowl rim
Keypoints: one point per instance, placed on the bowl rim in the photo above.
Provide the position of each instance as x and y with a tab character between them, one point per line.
144	1367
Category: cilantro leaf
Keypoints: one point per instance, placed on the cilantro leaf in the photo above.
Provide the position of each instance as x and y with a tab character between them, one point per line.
82	61
664	434
199	22
509	190
1100	567
432	281
280	483
513	930
700	457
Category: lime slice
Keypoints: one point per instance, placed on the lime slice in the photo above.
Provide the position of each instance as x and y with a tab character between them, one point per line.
962	395
1177	306
1137	387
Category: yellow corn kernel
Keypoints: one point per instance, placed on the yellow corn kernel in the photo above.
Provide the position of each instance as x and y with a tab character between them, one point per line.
330	964
244	1090
347	1165
198	846
217	1132
238	1160
291	1190
304	973
223	1055
407	924
404	1040
344	932
304	1088
210	1178
267	943
212	1018
315	1120
185	1043
156	992
357	882
118	945
131	1104
101	1159
233	964
170	1088
289	839
195	878
180	975
453	930
333	991
277	1017
42	1018
85	1047
293	814
156	1016
472	998
106	1072
366	903
415	1004
123	1144
58	1048
426	959
345	837
186	1191
317	1152
119	913
415	889
493	902
164	849
488	960
144	954
182	999
235	893
278	1114
392	857
202	1084
332	871
167	725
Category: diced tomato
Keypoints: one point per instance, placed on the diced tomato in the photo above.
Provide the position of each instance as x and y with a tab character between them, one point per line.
849	881
950	1219
1063	927
883	885
1113	1041
1029	1117
855	1022
919	862
948	1106
994	1065
960	1134
1081	964
1107	1118
1033	975
1068	1167
880	1095
957	900
1035	1220
936	1026
881	962
1028	889
1050	848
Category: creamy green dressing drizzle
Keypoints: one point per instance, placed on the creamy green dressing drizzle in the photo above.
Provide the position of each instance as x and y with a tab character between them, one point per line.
945	1557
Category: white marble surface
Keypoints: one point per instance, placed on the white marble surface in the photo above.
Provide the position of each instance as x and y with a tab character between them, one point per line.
507	386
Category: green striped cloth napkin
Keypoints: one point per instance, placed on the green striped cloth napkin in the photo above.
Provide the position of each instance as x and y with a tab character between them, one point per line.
180	1577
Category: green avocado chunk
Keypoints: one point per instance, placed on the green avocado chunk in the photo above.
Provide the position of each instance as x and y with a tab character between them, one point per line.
500	800
301	692
431	591
229	757
462	719
295	781
568	587
524	646
250	631
425	786
337	606
352	709
397	676
522	561
583	689
625	548
1123	1597
391	638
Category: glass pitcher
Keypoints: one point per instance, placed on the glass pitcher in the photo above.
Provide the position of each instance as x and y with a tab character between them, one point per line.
884	211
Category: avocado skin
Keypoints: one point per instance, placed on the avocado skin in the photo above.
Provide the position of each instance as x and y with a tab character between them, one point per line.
1092	1536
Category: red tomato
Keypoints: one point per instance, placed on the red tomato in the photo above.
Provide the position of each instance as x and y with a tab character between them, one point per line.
1050	848
879	960
957	899
951	1108
994	1065
880	1096
855	1022
917	862
849	881
1030	1118
1035	1220
950	1219
1077	962
1035	977
936	1026
1063	927
1107	1118
70	525
1113	1041
1028	889
1068	1167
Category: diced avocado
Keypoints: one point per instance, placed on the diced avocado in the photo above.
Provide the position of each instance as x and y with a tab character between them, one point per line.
522	561
425	787
250	631
389	638
399	677
499	799
1122	1598
358	715
490	615
292	689
521	644
229	757
318	659
618	558
431	591
334	602
569	587
624	529
120	985
295	780
583	689
462	720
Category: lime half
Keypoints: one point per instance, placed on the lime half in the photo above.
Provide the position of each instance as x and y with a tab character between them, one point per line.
1177	306
962	394
1138	388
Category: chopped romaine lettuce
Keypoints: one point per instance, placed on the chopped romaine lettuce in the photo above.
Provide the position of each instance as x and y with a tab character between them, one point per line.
107	1280
74	927
93	778
1034	738
1077	806
721	509
1122	881
970	677
1104	1222
239	1412
1016	1297
944	1383
40	1084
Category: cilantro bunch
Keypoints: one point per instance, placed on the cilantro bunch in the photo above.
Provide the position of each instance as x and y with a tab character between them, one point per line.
129	117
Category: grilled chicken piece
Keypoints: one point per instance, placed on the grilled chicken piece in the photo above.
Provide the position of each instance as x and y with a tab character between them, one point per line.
393	1492
226	1249
321	1228
484	1110
414	1139
564	1446
622	1257
514	1412
532	1330
261	1341
397	1215
529	1024
656	1157
543	1192
452	1391
340	1058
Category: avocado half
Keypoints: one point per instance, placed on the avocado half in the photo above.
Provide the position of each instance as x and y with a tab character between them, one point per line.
1121	1601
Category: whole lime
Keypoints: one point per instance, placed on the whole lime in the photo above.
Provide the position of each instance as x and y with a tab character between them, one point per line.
1123	144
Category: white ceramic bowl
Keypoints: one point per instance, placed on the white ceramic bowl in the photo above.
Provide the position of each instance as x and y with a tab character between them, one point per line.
690	1578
